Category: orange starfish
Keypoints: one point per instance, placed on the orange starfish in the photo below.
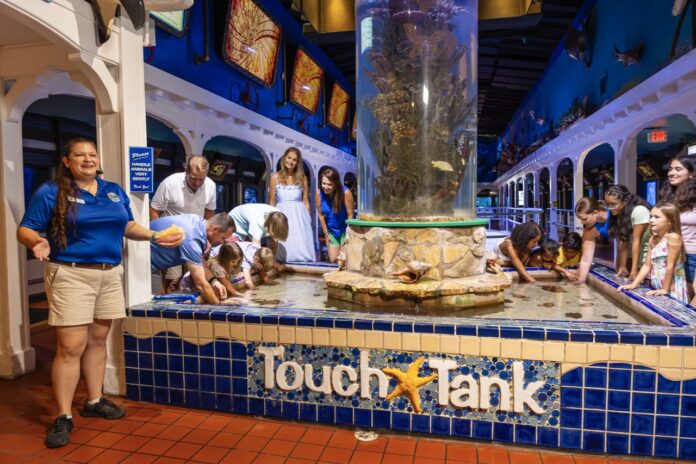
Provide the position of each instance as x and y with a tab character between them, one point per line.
409	382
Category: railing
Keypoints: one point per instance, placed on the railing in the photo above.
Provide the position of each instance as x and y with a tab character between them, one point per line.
506	218
564	221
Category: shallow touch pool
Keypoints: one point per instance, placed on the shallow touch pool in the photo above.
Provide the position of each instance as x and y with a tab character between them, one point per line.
548	299
577	384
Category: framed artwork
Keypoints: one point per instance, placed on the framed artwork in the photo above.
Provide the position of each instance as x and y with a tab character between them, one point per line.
647	171
219	169
338	107
305	87
252	41
174	22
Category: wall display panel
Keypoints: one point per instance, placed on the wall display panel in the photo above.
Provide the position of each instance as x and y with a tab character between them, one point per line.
252	41
338	108
305	87
174	22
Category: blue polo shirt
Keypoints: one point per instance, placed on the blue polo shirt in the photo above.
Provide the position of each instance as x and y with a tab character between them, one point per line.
603	227
95	229
191	249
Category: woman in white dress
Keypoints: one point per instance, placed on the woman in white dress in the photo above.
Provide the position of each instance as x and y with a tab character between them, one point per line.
288	193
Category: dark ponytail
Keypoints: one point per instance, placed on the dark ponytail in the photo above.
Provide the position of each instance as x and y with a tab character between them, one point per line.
64	208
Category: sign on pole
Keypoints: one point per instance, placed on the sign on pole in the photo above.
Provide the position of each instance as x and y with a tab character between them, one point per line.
142	169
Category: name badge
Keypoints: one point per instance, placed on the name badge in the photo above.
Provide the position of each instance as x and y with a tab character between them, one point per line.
76	200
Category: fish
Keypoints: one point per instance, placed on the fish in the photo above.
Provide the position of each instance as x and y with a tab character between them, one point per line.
628	57
574	315
442	166
576	44
678	7
548	304
413	271
609	316
540	120
105	12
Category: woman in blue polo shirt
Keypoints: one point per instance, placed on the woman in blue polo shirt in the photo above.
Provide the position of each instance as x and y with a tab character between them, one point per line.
84	219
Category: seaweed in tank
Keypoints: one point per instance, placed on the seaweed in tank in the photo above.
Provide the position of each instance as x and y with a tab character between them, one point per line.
425	131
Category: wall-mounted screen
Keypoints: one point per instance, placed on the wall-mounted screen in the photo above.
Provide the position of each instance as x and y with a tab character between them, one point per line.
338	108
251	41
305	87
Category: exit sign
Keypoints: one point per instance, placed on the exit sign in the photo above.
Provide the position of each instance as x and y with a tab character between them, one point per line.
657	136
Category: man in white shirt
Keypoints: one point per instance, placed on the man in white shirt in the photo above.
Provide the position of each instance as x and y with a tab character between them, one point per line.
189	192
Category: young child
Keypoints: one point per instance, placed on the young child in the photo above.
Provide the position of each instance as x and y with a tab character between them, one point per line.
224	261
665	259
571	251
547	257
256	258
516	249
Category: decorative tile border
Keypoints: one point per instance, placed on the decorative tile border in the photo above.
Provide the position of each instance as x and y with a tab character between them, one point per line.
615	407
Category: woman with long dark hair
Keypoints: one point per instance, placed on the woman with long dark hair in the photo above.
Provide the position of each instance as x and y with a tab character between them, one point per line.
84	219
289	193
629	224
680	190
336	206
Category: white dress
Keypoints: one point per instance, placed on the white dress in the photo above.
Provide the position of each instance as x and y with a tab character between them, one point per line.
299	247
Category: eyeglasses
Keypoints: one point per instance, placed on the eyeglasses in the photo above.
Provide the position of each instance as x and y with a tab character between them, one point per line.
610	206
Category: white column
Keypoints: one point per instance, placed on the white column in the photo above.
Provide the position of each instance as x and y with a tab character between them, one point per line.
553	201
116	132
17	357
626	163
525	190
537	189
578	189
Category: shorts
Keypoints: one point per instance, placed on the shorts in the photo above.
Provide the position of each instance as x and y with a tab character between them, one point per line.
78	296
337	241
174	273
690	267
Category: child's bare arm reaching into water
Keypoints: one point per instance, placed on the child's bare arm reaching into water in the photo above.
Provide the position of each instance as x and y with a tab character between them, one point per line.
516	262
642	273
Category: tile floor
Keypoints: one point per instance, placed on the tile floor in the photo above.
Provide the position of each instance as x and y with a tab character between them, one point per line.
152	433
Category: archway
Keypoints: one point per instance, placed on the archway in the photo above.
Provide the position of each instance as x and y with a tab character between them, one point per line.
598	170
519	200
656	144
239	171
170	153
564	211
47	125
544	198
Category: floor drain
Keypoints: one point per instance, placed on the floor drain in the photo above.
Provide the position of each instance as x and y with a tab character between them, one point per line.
363	435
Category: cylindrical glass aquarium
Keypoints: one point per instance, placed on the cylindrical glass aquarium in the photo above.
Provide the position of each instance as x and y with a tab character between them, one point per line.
416	101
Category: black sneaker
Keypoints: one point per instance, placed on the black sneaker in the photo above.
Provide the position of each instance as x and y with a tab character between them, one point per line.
59	435
104	409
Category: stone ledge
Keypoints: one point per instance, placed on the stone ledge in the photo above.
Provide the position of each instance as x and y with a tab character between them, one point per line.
464	292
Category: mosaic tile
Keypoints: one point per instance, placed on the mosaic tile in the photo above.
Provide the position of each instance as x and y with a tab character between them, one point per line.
547	395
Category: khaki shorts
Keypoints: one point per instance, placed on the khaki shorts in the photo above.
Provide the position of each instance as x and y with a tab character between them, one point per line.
78	296
174	273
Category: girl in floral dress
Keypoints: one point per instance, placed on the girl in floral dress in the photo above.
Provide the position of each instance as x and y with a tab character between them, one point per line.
665	258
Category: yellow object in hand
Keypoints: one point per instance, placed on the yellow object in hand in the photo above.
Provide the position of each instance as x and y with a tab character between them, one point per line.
172	230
